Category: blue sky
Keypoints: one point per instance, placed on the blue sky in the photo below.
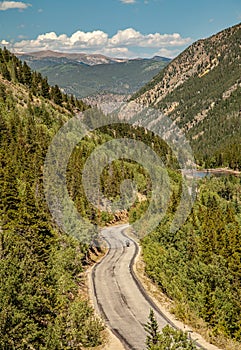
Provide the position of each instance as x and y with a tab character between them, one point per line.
121	28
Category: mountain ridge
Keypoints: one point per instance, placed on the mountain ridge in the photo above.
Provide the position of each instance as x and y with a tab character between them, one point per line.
200	90
89	59
83	78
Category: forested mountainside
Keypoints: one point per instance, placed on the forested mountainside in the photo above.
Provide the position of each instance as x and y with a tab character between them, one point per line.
12	69
199	266
89	75
42	304
201	91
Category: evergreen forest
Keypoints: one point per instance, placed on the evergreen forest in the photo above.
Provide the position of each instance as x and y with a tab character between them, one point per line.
43	304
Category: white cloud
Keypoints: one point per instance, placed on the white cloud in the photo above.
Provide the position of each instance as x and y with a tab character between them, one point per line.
4	42
96	38
125	43
130	37
128	1
7	5
126	37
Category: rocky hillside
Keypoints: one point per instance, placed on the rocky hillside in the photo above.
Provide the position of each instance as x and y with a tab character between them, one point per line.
201	91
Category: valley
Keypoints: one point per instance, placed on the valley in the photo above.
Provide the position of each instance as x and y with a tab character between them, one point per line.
44	260
89	75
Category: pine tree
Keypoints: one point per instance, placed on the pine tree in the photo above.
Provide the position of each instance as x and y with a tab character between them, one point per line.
5	72
1	57
3	93
45	88
151	328
56	95
6	55
27	75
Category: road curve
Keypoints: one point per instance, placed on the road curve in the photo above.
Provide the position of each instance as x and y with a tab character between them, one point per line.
118	295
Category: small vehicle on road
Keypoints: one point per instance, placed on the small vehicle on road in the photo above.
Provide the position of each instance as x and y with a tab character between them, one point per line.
127	243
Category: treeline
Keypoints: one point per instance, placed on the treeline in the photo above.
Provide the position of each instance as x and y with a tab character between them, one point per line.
199	266
12	69
42	303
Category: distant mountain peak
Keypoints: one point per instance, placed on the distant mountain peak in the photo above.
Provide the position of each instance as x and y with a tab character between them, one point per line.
86	58
90	59
161	58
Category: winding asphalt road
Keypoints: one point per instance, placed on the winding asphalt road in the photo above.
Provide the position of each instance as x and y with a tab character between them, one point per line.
118	296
